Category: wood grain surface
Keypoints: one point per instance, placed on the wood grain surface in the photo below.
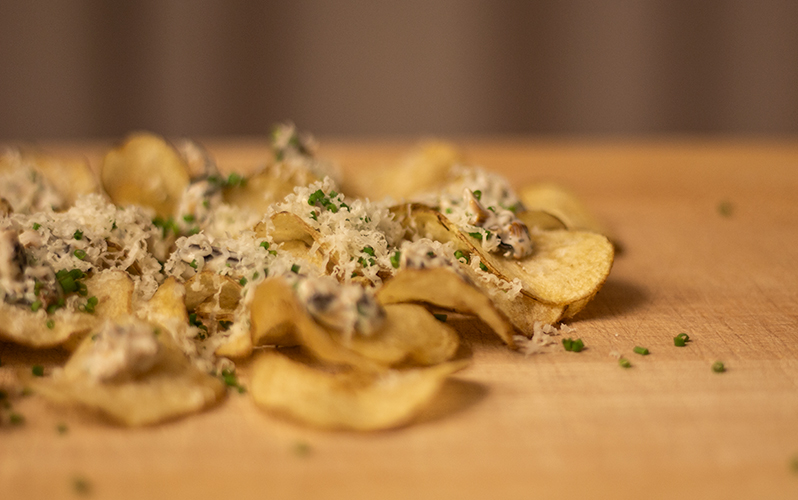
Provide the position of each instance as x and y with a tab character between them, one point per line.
554	425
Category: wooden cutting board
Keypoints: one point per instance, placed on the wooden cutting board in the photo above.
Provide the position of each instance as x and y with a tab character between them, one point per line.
554	425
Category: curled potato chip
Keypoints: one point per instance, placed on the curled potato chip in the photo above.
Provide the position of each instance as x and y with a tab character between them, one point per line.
563	205
114	292
171	388
297	237
278	319
39	329
565	267
444	288
145	170
424	168
349	400
70	177
223	291
410	333
270	185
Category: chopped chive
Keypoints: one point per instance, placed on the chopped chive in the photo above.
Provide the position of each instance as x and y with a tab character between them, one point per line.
573	345
230	380
37	370
36	226
681	339
189	218
242	281
78	235
36	305
718	367
395	259
206	204
483	267
235	179
478	194
295	269
624	363
50	324
440	317
641	350
255	275
476	235
448	210
193	263
265	245
314	216
368	250
80	254
461	256
725	208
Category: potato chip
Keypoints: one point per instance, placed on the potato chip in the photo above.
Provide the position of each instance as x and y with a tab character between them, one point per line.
562	204
208	287
345	400
170	388
444	288
267	187
424	168
145	170
22	326
410	333
565	267
70	177
278	319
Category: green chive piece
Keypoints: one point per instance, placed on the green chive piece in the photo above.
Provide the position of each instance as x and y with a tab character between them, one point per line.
718	367
78	235
265	245
193	263
295	269
242	281
483	267
461	256
624	363
681	339
302	449
80	254
36	305
641	350
725	208
81	485
314	216
440	317
50	324
478	195
573	345
189	218
395	259
476	235
368	250
37	370
36	226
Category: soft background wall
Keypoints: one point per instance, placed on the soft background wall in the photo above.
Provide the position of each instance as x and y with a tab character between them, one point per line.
89	68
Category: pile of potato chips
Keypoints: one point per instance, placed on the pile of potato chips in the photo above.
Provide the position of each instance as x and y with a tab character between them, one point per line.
163	276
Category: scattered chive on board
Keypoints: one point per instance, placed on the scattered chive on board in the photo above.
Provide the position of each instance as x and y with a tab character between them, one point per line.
641	351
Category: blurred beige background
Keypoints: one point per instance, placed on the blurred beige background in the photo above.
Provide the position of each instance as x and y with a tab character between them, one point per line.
89	68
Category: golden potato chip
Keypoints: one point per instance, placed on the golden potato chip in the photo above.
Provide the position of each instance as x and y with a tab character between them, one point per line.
349	400
563	205
171	387
222	291
114	292
424	168
145	170
278	319
267	187
39	329
565	267
540	219
409	332
70	177
444	288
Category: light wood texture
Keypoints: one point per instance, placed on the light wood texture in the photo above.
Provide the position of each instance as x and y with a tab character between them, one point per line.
561	424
